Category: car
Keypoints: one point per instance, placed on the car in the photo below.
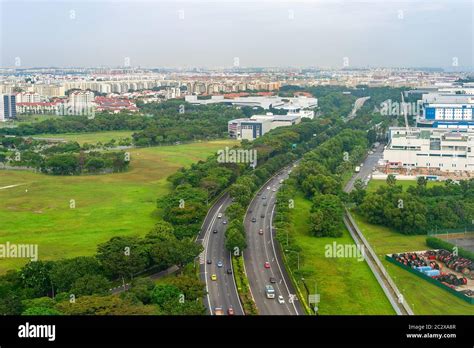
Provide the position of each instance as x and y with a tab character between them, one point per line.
264	204
274	190
219	216
229	271
260	231
281	181
230	311
371	152
268	187
220	264
209	261
266	264
273	280
224	222
281	300
264	197
214	231
259	194
262	216
254	219
214	277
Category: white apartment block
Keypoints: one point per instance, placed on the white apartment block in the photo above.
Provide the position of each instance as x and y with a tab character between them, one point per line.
443	149
28	97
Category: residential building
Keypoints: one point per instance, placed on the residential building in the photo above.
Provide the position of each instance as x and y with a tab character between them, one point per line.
7	107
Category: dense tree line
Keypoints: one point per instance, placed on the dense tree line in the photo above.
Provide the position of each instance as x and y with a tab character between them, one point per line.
59	159
80	286
156	124
420	209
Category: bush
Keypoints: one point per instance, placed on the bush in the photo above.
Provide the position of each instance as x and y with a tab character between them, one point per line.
437	243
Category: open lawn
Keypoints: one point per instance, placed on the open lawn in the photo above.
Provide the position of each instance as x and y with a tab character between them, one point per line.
375	184
90	138
423	297
38	210
346	285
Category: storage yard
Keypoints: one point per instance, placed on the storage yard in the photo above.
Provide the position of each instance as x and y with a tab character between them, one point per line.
442	268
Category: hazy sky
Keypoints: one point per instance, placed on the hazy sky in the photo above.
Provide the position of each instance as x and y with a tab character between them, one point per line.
260	33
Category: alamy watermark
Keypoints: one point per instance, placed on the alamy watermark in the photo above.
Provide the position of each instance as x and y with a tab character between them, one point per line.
237	156
11	250
336	250
394	108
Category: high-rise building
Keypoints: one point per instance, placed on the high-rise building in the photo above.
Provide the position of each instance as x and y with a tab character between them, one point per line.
7	107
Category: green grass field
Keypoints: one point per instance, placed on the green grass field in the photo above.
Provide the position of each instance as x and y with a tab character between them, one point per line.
346	286
375	184
423	297
38	211
90	138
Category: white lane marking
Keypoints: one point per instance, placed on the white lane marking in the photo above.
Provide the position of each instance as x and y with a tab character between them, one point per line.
273	259
281	272
207	237
10	186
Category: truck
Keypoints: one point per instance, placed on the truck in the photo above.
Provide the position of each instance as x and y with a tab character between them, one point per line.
357	169
269	291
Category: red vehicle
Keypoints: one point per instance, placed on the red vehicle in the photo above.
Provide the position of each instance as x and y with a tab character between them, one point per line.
266	264
230	311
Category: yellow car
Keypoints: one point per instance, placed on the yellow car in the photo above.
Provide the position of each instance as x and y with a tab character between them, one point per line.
213	277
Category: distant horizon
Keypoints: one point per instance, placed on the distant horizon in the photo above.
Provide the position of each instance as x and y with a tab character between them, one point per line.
188	34
444	68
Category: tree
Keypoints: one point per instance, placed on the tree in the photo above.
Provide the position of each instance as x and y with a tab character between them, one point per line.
357	195
123	256
91	284
141	289
165	295
391	180
41	311
326	216
65	272
35	276
235	241
191	287
104	305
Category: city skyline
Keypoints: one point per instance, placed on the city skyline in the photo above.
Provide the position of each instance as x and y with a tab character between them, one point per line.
207	34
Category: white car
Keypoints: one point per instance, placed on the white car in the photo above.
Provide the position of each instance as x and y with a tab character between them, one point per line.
274	190
268	187
281	300
219	216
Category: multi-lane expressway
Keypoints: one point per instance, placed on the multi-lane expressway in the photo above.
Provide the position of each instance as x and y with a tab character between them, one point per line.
221	292
262	248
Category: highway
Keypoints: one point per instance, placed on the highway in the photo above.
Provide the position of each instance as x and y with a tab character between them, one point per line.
262	248
222	292
366	169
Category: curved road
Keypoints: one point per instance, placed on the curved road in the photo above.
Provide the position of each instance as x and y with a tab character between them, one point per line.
221	293
262	248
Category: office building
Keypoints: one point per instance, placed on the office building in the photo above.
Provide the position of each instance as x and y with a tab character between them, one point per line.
446	110
257	125
447	150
